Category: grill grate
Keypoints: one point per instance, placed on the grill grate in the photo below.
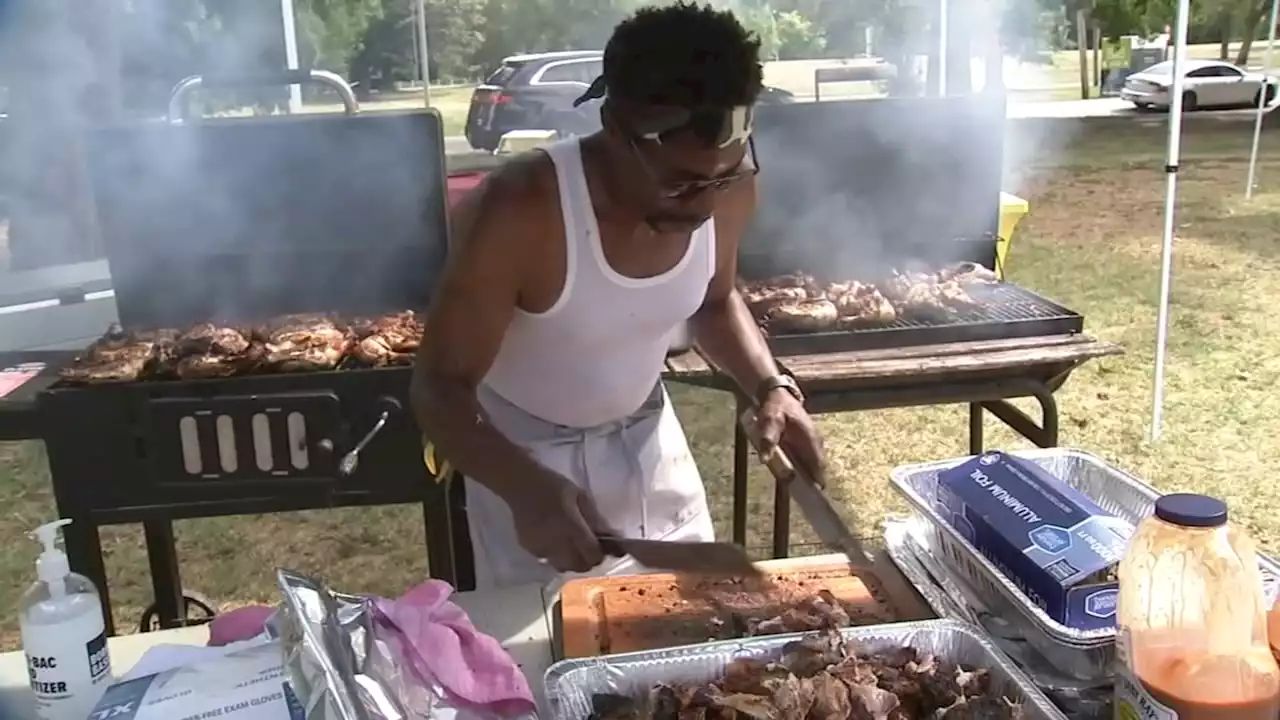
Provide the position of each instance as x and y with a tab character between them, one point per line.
1007	311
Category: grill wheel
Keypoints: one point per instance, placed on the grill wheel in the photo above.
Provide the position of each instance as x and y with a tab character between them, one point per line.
199	611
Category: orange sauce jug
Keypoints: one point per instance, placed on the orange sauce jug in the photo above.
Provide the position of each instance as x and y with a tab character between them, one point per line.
1192	625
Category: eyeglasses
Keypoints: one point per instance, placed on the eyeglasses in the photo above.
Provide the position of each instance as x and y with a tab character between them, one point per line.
690	188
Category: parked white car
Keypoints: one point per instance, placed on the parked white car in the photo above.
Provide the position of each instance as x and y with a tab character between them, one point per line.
1206	83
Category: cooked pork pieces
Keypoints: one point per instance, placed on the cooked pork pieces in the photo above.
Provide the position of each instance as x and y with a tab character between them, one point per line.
293	343
822	677
798	303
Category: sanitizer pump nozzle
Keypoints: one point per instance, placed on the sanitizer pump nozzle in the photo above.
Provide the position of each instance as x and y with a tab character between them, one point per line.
52	565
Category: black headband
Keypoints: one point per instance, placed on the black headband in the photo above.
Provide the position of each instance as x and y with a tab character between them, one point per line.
716	125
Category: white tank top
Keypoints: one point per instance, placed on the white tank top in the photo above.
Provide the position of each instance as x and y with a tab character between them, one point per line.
596	354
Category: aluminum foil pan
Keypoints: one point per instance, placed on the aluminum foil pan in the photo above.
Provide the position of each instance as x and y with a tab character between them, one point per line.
1077	680
570	684
1114	490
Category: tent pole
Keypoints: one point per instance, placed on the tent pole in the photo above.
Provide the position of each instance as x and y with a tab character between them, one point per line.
1170	199
423	56
1262	102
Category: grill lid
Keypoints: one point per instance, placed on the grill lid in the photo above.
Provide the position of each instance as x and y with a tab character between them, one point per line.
248	219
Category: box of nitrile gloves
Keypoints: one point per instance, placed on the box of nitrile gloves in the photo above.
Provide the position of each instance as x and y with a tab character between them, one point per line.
1051	540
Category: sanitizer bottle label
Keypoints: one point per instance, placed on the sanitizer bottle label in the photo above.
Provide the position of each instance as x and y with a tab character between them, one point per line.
68	666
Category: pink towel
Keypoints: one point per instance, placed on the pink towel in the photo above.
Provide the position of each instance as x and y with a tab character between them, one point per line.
470	665
440	642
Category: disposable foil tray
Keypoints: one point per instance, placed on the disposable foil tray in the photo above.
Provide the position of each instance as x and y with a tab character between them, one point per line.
1114	490
570	684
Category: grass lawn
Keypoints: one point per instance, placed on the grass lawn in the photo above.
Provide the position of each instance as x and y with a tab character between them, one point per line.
1092	241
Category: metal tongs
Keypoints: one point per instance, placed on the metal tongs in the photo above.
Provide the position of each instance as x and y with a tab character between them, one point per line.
813	502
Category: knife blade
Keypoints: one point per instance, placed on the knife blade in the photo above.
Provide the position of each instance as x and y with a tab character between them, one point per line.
813	502
706	558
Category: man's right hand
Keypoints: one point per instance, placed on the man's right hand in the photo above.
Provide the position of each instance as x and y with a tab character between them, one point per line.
557	522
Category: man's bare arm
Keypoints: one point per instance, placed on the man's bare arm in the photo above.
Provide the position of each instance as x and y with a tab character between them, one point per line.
472	307
723	327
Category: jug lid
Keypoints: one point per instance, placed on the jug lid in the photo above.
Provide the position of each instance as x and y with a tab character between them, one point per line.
1190	510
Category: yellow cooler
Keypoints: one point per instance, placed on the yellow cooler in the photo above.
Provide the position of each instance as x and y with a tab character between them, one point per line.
1012	210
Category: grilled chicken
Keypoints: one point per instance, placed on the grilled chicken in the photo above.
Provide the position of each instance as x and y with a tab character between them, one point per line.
862	305
118	356
763	299
968	273
389	340
803	316
210	339
300	343
214	365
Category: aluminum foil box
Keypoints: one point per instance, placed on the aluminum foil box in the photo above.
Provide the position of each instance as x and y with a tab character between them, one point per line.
1056	544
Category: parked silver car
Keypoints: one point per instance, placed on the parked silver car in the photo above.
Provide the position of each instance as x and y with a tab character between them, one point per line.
1206	83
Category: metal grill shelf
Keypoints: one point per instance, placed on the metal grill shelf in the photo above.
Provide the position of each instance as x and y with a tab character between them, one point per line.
1008	312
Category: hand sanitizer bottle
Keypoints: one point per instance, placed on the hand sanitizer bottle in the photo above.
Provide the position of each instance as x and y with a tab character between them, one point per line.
63	635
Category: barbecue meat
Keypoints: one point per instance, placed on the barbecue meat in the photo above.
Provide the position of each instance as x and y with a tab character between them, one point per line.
389	340
861	305
816	612
822	677
968	273
763	299
210	339
301	343
805	316
216	365
117	356
125	368
790	280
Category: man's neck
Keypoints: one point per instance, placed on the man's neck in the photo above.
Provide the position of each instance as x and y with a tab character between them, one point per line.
600	168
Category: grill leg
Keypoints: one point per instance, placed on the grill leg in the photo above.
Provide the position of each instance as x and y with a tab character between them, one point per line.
439	551
165	581
464	558
740	456
975	429
1044	435
781	521
84	551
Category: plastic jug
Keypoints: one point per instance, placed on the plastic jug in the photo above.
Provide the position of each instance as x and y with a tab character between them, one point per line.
1192	621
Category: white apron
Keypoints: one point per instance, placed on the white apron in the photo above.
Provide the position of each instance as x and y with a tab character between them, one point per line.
638	471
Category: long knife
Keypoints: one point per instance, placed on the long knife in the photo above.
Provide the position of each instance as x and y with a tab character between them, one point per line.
704	558
813	502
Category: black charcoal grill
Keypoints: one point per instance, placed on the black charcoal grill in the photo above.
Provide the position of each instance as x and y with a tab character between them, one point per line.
859	189
1006	311
241	221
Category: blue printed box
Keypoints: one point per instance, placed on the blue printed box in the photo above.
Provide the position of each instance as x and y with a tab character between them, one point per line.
1054	543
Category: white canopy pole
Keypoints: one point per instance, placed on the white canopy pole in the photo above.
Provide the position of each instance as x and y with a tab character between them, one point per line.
1170	200
943	10
1262	102
291	53
423	57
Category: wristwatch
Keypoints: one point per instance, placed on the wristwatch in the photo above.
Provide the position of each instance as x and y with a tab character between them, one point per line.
779	382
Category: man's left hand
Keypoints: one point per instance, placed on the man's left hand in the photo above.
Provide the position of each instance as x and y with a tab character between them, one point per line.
784	422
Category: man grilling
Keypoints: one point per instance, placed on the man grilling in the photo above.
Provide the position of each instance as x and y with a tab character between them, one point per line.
572	270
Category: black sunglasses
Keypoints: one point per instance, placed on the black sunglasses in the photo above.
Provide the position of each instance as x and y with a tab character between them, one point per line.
690	188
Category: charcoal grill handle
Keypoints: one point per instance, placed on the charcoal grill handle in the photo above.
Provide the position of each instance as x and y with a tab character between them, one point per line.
349	462
288	77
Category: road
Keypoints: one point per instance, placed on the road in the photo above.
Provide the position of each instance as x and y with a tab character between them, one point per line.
1100	107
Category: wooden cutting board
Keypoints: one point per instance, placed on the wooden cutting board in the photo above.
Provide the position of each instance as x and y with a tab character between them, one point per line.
608	615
